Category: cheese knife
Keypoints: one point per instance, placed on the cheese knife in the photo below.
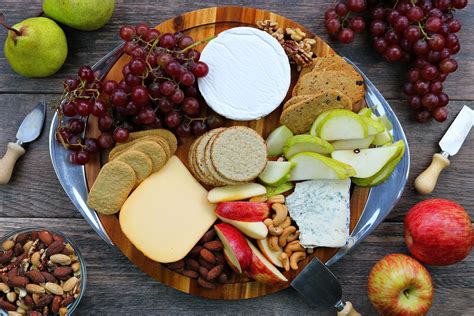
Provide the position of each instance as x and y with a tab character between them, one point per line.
450	145
319	286
29	131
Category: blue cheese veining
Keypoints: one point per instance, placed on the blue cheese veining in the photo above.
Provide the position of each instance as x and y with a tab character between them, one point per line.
321	210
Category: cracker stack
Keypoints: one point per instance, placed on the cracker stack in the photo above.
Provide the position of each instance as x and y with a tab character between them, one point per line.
129	164
228	156
329	83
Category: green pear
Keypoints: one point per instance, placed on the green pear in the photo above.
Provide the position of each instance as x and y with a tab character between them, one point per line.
386	171
306	143
276	172
86	15
386	122
277	139
312	166
382	138
366	162
360	143
342	124
36	47
282	188
374	127
367	112
317	122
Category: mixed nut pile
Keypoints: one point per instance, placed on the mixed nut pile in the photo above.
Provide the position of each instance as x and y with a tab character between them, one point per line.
40	274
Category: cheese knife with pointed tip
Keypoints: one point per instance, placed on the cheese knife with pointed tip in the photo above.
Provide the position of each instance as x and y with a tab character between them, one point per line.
450	145
29	131
319	286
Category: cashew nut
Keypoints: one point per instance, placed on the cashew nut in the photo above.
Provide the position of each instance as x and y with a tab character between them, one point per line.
268	222
285	261
4	288
295	258
281	213
293	246
280	198
293	237
286	232
275	231
273	243
259	199
286	222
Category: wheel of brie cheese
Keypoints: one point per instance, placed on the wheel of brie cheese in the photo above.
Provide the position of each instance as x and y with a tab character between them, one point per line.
249	74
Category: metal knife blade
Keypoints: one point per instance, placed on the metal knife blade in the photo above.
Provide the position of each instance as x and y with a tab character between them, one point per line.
319	286
32	124
457	132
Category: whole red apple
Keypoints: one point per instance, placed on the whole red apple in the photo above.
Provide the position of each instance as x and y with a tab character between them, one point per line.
400	285
438	232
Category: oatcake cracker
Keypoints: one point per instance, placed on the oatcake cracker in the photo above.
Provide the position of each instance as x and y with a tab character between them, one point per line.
193	164
238	153
120	148
210	166
299	117
139	161
166	134
155	152
114	183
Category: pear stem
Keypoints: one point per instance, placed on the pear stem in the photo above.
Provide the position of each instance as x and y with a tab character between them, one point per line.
8	27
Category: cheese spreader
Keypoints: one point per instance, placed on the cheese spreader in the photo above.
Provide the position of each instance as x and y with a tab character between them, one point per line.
320	287
29	130
450	145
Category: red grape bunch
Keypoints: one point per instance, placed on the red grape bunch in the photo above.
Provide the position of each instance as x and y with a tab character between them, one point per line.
420	32
158	90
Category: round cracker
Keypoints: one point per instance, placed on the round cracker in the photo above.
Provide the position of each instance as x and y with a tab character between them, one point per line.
211	167
154	151
120	148
199	155
166	134
139	161
238	153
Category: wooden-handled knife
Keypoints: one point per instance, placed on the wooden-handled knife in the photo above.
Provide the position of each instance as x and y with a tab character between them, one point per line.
450	145
29	130
319	286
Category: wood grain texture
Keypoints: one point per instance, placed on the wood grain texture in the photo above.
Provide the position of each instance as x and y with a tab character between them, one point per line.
115	285
202	24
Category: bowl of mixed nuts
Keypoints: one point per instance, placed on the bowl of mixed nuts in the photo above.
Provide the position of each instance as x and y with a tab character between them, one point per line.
41	273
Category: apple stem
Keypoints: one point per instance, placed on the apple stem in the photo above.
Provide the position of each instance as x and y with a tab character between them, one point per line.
8	27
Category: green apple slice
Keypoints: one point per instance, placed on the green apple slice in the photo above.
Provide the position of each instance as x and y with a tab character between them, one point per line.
366	162
315	166
317	122
367	112
276	172
352	144
382	138
276	140
282	188
342	124
306	143
386	171
386	122
373	127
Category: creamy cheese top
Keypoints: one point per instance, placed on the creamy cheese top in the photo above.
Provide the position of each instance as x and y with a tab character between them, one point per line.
249	74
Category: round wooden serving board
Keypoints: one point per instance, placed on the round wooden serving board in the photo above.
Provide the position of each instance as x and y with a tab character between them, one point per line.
201	24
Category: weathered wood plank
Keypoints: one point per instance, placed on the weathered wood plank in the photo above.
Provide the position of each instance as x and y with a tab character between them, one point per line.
88	47
114	284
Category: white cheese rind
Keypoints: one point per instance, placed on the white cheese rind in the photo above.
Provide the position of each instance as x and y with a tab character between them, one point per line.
321	209
249	74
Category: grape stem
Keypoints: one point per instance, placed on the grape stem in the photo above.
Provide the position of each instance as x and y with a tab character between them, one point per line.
423	31
8	27
210	38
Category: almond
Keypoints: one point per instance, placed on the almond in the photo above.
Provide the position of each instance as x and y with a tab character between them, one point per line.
44	300
34	288
214	245
190	273
18	281
49	277
45	237
55	248
203	271
70	284
208	256
210	235
206	284
29	301
62	273
35	276
215	272
67	300
22	238
6	256
195	251
223	278
58	238
192	264
18	249
176	265
54	288
7	305
205	264
56	304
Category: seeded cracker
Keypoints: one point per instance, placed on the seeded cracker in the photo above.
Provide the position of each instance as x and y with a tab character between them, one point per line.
210	166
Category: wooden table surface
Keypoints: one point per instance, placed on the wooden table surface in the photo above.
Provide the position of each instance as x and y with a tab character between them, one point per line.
35	197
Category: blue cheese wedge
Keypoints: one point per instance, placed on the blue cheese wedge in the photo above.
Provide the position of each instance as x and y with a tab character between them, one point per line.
321	210
249	74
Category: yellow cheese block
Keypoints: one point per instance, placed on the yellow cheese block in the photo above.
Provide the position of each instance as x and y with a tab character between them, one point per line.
167	213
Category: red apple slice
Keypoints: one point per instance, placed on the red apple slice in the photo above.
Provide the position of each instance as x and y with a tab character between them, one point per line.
262	270
270	254
243	211
236	250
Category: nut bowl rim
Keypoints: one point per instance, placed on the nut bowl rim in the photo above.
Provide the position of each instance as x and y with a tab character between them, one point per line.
83	277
